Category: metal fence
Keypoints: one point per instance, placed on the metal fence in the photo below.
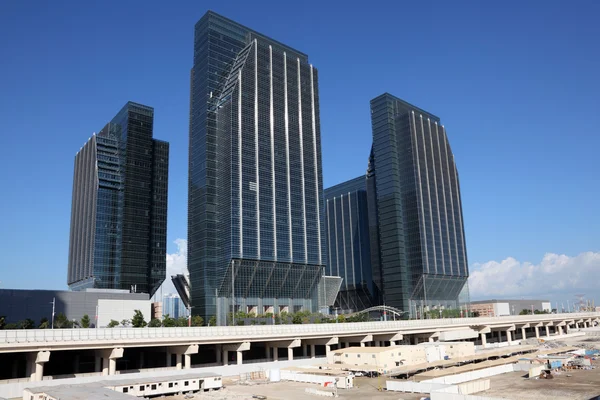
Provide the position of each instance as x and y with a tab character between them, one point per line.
245	333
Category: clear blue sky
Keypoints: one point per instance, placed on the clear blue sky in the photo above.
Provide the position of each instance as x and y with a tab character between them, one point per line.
515	83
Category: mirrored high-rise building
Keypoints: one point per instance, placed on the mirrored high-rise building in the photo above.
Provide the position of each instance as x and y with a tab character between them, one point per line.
422	250
119	208
255	183
349	244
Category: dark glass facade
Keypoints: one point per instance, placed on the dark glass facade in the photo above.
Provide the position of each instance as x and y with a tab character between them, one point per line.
422	251
119	209
255	235
348	242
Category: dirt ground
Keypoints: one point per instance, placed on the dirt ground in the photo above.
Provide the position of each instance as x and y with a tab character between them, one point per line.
365	388
580	385
572	385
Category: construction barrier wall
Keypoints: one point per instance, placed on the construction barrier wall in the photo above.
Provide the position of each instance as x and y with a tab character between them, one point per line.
473	375
454	396
344	382
414	387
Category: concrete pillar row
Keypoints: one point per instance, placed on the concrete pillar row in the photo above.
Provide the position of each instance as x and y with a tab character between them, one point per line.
109	360
185	353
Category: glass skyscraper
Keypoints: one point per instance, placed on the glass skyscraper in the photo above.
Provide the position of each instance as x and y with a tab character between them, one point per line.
119	208
348	241
255	235
422	251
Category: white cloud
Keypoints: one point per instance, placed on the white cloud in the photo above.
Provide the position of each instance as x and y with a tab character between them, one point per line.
555	276
176	264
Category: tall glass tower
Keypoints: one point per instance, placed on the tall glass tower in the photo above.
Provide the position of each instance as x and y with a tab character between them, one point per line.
119	208
255	235
348	242
423	258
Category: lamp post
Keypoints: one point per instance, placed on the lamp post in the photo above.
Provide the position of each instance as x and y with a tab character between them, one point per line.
53	304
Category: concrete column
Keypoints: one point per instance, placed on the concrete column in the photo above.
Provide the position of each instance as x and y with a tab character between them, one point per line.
312	351
177	360
28	365
327	349
483	339
523	334
225	357
547	331
15	369
508	336
267	353
98	364
112	366
290	353
141	360
275	354
188	361
39	371
560	330
105	366
431	340
169	359
36	363
305	350
240	358
499	336
76	364
362	344
218	355
537	332
392	343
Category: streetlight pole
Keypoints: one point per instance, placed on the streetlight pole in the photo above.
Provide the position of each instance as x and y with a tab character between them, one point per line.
53	304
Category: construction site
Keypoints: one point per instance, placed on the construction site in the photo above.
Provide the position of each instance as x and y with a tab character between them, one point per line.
562	367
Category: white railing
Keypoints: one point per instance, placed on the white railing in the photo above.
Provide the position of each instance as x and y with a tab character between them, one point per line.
244	333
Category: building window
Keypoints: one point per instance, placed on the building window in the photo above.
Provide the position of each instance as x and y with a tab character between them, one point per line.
186	383
125	390
153	387
170	384
142	388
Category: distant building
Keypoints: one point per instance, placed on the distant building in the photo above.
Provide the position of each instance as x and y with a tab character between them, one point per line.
500	308
173	306
119	209
348	242
100	305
